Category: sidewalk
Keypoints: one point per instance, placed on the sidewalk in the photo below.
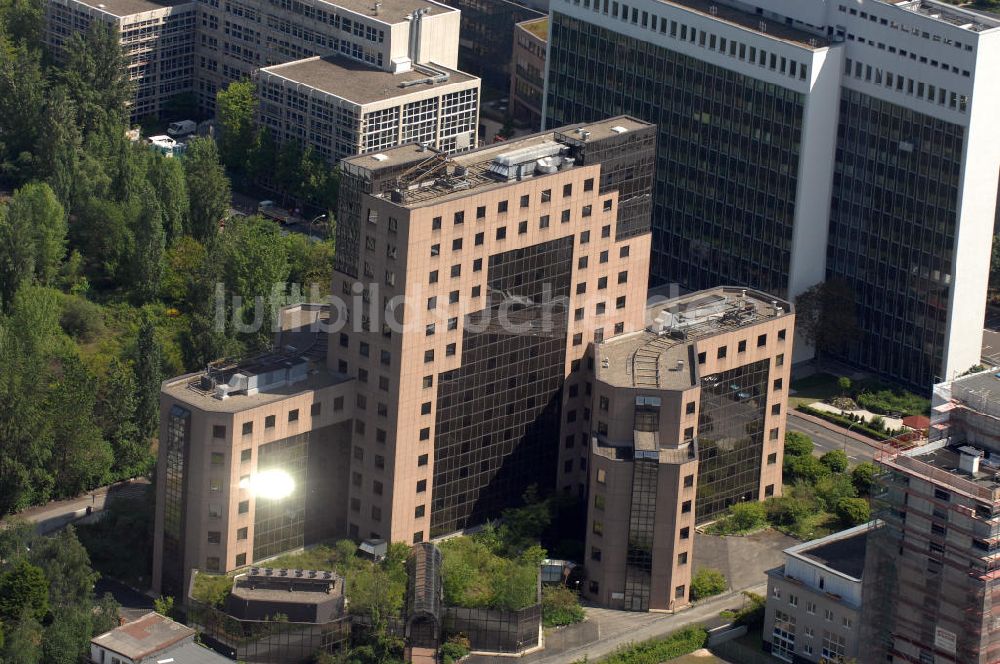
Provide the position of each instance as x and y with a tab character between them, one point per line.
615	629
56	514
819	421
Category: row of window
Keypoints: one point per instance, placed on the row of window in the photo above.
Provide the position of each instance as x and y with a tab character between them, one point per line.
907	85
741	347
692	35
913	30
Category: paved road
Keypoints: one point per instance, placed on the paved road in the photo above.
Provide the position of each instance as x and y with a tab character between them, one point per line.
991	347
57	514
825	440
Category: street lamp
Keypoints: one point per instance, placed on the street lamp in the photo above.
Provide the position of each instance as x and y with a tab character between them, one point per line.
313	222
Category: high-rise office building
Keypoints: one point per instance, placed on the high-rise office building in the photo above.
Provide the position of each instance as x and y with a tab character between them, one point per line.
688	419
809	140
932	578
157	39
471	287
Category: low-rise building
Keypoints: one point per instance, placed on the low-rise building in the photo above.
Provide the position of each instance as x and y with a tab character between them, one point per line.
527	71
688	418
151	639
813	609
342	107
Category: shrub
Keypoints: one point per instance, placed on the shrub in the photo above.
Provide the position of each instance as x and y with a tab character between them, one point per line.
888	401
835	460
476	577
863	476
81	319
748	516
212	589
807	468
787	510
854	511
844	383
706	583
560	606
832	489
797	444
454	649
841	420
877	423
679	643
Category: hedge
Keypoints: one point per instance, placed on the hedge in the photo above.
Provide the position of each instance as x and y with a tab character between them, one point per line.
842	421
679	643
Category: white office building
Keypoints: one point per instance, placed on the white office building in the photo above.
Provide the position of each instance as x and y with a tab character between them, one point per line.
810	140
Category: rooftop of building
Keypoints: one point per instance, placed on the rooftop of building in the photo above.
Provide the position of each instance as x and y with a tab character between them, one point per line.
715	10
539	27
363	84
842	552
946	456
662	355
146	636
200	389
392	11
973	19
298	586
434	177
123	8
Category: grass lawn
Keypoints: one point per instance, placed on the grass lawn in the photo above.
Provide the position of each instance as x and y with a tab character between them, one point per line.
322	557
816	525
818	387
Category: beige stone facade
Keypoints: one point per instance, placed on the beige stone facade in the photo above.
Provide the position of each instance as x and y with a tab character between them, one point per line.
689	418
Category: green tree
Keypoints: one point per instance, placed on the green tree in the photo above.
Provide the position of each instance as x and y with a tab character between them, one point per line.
106	614
854	511
23	642
787	510
67	566
80	457
831	489
23	22
67	639
826	318
36	206
58	148
797	444
844	383
17	255
747	516
102	233
182	265
208	188
22	93
147	261
560	606
164	605
707	582
807	468
117	415
148	376
167	179
864	476
96	76
835	460
24	591
288	169
235	107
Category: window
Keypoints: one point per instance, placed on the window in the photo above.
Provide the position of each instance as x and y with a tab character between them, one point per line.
567	190
425	408
429	355
607	205
502	233
376	513
501	207
599	501
456	244
776	409
425	433
685	533
941	494
293	415
418	537
601	476
242	533
543	221
598	528
602	283
604	256
212	564
450	350
453	297
456	270
247	428
584	237
477	265
623	277
761	341
679	592
460	217
620	302
686	507
481	212
689	481
772	458
682	558
219	431
480	238
421	486
422	460
721	353
435	250
436	224
701	357
418	513
581	262
777	385
243	507
793	600
595	554
214	537
564	217
689	408
241	559
218	459
379	461
246	455
588	210
741	347
594	587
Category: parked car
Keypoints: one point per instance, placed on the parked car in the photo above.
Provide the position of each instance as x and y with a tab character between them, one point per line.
182	127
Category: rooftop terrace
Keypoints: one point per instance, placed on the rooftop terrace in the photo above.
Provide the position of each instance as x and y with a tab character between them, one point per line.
662	355
360	83
432	177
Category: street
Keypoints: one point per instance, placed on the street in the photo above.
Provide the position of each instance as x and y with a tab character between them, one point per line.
825	440
55	515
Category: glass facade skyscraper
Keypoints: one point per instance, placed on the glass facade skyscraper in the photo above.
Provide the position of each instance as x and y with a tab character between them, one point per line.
806	142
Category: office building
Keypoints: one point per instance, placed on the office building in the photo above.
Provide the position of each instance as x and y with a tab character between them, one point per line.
510	260
157	40
471	288
932	577
813	611
487	43
688	419
342	107
805	141
527	71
